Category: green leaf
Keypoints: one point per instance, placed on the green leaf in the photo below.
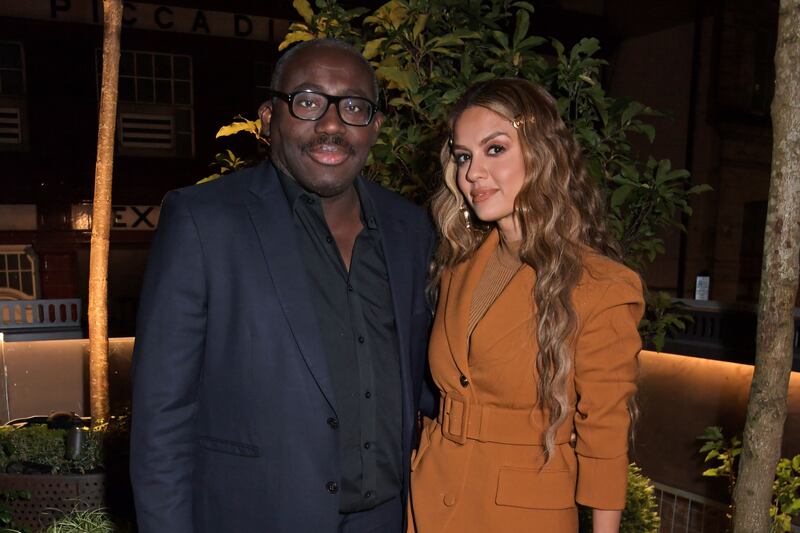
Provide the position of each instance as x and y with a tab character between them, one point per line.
524	5
620	195
501	38
521	30
371	48
633	109
293	37
303	9
697	189
419	25
403	79
250	126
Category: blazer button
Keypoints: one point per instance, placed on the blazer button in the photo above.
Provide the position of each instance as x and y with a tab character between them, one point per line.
332	487
449	500
333	422
464	381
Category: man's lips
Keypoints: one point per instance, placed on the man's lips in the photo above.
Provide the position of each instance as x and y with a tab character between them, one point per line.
328	154
480	195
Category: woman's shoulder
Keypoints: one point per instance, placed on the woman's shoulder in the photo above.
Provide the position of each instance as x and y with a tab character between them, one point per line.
602	271
606	281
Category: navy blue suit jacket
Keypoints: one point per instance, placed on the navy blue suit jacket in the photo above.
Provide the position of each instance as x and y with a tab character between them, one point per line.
231	389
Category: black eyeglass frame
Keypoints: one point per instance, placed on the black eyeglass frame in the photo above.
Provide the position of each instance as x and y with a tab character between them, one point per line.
289	97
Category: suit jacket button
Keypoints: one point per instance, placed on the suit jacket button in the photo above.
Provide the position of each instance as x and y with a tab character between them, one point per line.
449	500
332	487
333	422
464	381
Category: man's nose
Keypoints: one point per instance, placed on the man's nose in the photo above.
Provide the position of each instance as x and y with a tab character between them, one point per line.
330	122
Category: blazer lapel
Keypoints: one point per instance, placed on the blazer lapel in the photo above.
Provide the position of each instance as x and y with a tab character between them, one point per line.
273	222
462	285
396	240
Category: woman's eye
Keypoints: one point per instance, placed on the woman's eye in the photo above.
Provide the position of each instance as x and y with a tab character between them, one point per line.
461	159
496	149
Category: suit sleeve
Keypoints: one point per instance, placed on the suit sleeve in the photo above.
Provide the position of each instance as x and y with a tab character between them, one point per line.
166	369
429	397
605	379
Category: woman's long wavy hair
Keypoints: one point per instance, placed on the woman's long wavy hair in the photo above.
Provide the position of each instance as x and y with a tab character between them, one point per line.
561	214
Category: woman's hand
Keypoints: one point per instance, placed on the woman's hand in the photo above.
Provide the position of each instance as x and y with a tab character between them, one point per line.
604	521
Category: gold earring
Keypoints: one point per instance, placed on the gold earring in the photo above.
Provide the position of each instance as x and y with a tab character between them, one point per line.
465	215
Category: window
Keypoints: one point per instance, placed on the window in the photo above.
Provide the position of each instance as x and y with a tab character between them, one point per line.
12	69
155	110
12	96
18	273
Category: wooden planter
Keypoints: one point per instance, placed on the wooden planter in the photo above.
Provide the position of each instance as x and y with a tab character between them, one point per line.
52	495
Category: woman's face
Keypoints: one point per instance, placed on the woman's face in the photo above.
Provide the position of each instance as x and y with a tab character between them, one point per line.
490	168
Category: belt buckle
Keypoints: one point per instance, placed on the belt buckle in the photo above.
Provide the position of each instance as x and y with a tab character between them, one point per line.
452	404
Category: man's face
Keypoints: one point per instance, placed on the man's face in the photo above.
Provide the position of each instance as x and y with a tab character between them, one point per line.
326	155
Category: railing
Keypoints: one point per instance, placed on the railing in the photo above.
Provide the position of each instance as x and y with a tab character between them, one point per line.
25	320
722	331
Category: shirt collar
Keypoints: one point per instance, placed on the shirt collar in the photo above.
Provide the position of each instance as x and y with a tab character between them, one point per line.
295	193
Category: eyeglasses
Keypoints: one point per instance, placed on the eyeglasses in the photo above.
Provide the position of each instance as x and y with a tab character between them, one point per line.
312	105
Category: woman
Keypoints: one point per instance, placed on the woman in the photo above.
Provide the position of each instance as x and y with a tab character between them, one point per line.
535	338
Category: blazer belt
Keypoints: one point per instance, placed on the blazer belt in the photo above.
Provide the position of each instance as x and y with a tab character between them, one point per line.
461	420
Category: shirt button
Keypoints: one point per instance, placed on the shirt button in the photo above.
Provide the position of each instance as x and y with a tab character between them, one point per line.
369	494
368	394
361	340
367	445
449	500
332	487
349	287
333	422
329	239
463	380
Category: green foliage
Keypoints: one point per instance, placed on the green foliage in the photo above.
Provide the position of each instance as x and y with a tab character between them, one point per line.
785	494
427	52
785	489
37	444
84	521
7	523
641	509
662	318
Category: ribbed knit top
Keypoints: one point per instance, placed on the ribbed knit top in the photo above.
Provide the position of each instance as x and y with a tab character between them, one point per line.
502	266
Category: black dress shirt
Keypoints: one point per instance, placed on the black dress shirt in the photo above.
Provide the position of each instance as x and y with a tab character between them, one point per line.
355	313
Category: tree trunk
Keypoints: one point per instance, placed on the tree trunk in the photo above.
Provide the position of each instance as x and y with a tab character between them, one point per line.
766	409
101	214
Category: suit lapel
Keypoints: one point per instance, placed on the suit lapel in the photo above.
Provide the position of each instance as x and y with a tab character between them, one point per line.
274	225
397	244
462	285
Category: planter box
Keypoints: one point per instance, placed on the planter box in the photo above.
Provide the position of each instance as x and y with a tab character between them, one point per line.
51	495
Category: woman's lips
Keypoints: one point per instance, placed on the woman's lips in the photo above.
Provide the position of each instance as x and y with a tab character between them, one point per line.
480	195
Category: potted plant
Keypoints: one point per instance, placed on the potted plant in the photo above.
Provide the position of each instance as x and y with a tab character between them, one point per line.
62	465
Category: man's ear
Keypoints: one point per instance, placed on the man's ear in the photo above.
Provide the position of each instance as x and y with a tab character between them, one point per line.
377	121
265	114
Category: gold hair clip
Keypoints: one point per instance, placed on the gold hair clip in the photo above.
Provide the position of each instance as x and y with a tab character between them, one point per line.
520	120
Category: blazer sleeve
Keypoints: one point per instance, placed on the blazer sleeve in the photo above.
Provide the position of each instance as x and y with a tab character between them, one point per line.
166	369
605	379
429	396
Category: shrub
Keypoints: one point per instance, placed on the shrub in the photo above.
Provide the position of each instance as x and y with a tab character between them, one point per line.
427	52
641	510
785	488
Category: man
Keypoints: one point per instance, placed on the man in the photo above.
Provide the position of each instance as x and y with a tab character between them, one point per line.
283	328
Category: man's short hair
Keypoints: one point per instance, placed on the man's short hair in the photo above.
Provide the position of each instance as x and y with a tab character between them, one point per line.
286	59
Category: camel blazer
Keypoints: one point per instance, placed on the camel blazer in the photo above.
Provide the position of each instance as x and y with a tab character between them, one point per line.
480	464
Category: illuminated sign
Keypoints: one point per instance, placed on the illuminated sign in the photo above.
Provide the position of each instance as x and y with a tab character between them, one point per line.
159	17
124	217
